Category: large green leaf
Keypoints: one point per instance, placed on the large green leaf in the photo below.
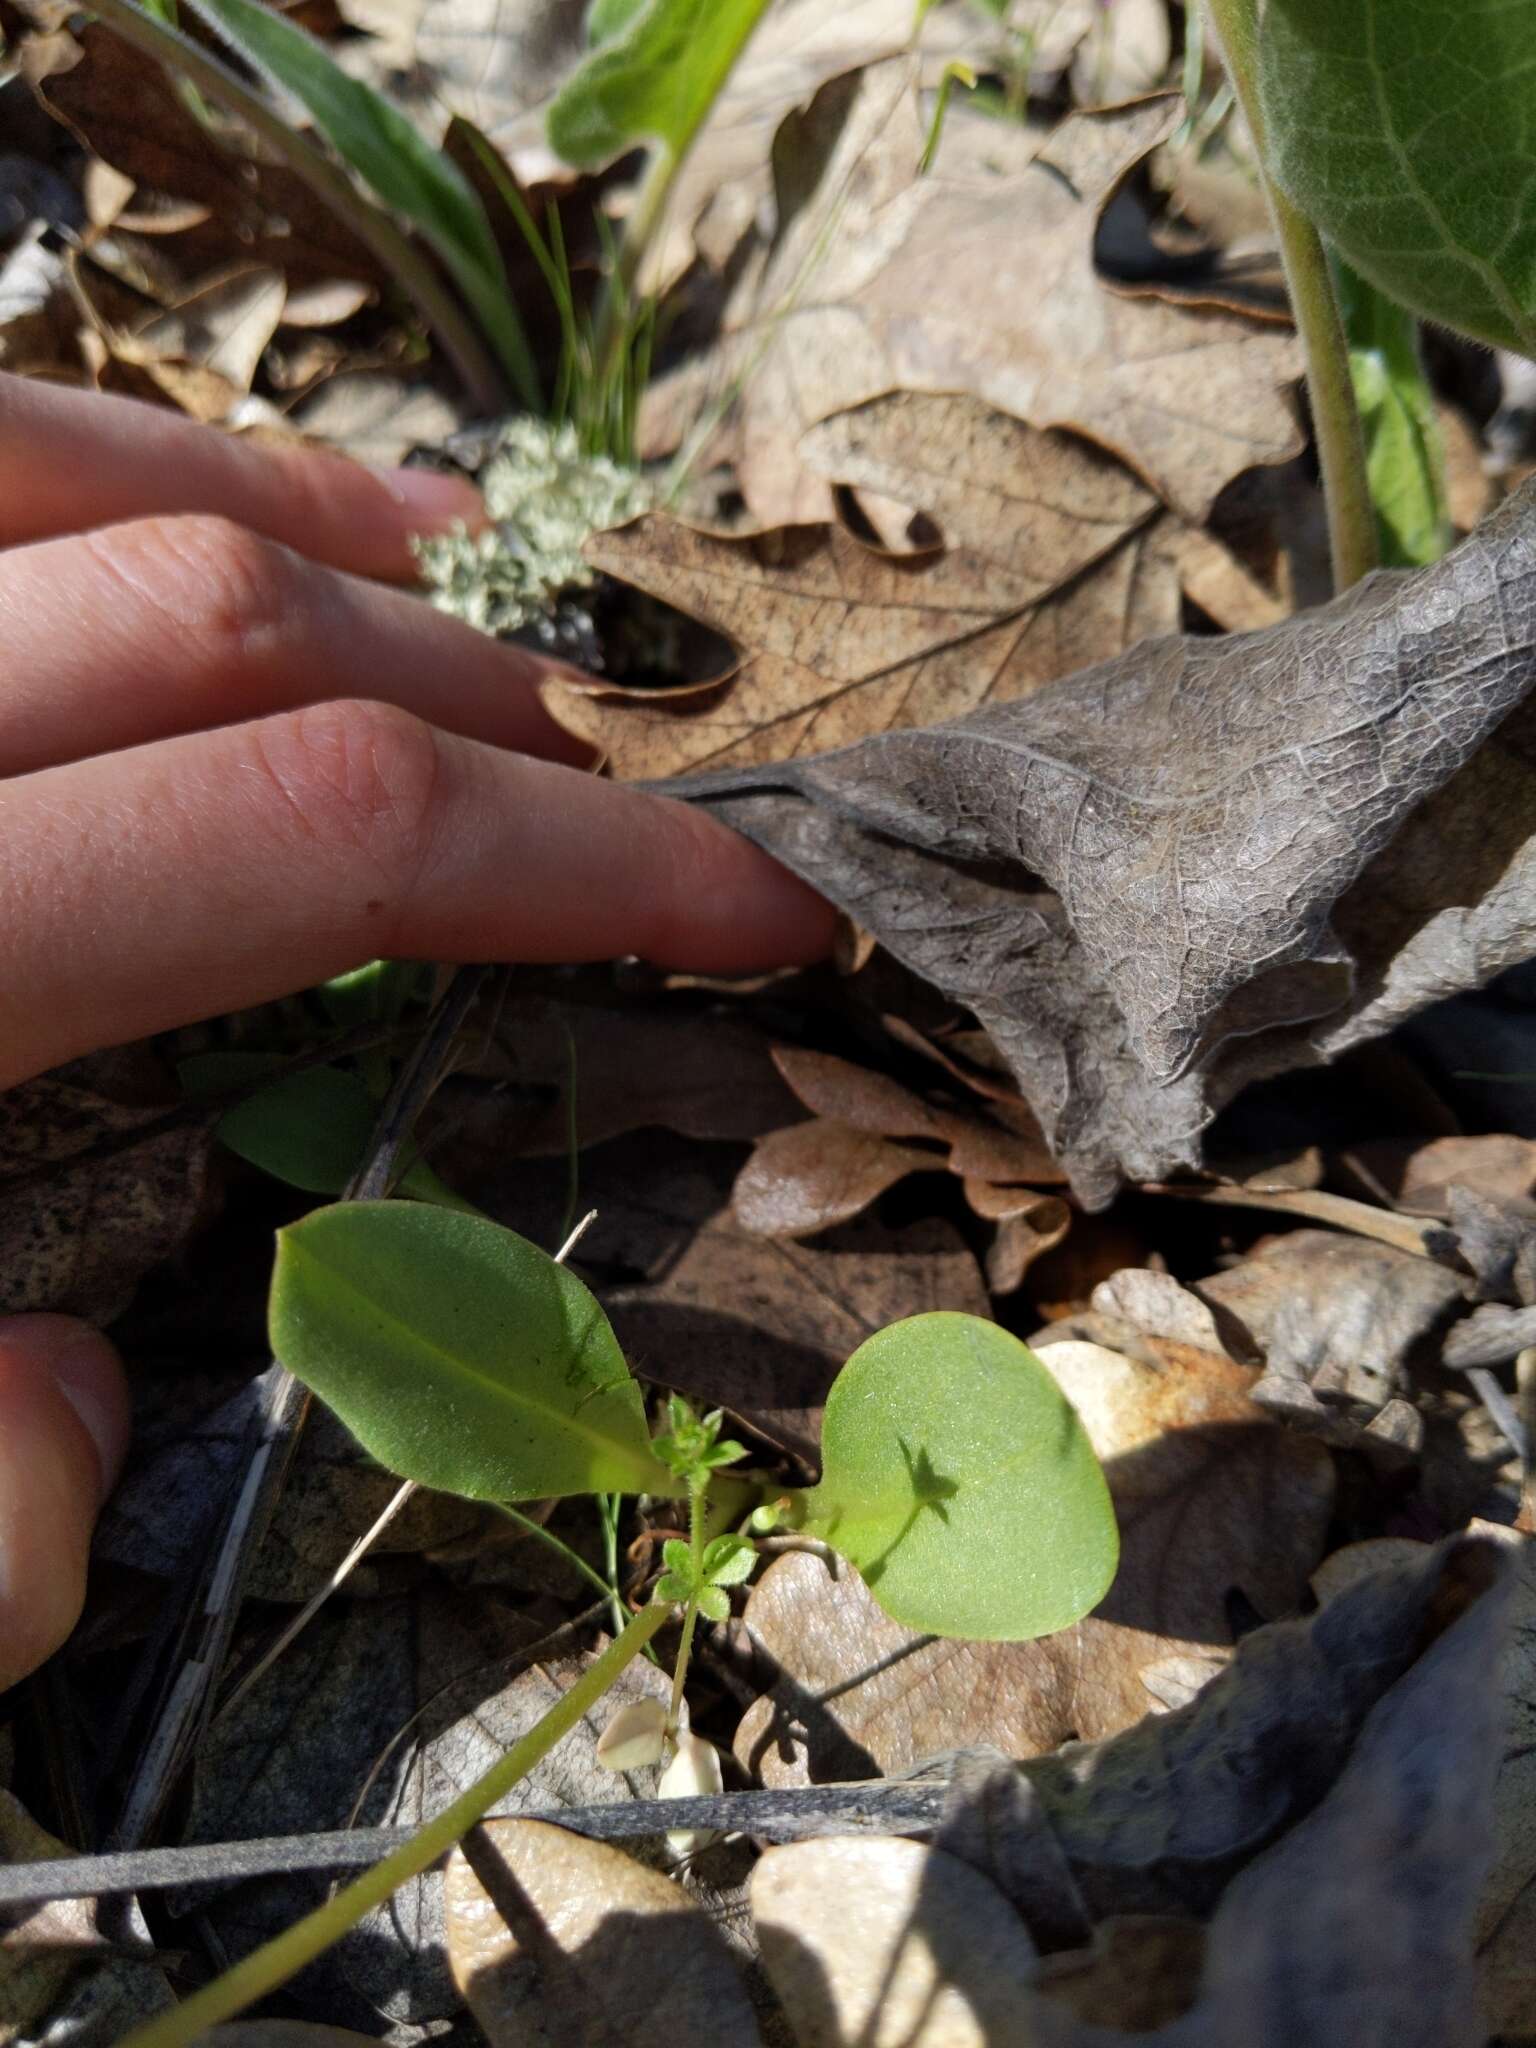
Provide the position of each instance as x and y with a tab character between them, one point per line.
958	1479
1406	129
404	169
653	77
1404	460
459	1354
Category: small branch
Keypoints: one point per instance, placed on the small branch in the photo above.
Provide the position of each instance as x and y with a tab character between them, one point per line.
185	1706
410	269
877	1806
1423	1236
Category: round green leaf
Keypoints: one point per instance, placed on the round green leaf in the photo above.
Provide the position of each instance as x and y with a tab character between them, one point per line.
459	1354
958	1479
1406	130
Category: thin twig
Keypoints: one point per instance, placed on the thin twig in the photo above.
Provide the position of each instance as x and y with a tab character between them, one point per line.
886	1806
1424	1237
185	1708
312	1607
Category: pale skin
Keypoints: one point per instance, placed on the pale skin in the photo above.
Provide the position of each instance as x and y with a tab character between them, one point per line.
232	763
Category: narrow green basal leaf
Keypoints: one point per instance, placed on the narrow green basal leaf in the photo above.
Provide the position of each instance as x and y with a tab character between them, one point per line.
958	1479
403	168
310	1128
1406	129
1404	458
654	77
459	1354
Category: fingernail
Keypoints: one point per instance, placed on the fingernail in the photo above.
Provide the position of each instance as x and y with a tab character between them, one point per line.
87	1373
434	499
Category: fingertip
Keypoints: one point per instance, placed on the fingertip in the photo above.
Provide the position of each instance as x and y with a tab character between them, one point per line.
63	1433
735	909
433	501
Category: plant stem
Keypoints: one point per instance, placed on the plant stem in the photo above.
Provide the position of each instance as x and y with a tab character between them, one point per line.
410	269
698	1496
564	1550
277	1960
1352	534
615	308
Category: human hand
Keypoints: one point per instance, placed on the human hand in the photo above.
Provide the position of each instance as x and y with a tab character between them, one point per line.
230	768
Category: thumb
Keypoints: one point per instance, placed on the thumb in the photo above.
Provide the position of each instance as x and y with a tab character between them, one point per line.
63	1432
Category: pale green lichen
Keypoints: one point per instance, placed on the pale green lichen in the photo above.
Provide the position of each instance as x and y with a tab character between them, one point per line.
546	498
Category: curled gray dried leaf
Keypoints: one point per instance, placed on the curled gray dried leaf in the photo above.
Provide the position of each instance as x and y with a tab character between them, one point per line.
1206	860
1337	1320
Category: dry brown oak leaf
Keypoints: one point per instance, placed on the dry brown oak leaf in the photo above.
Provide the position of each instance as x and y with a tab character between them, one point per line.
501	65
128	112
883	279
1054	557
1207	860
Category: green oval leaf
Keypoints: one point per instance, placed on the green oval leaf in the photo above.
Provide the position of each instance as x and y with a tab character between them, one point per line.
1401	127
958	1479
310	1128
459	1354
655	76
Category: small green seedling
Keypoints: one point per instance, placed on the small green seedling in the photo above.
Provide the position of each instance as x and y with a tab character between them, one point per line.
956	1478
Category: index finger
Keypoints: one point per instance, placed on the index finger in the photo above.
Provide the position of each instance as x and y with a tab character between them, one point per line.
72	460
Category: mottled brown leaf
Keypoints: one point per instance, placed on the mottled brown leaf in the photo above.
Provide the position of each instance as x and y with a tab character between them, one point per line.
807	1177
840	642
560	1942
889	1945
78	1238
1206	860
983	282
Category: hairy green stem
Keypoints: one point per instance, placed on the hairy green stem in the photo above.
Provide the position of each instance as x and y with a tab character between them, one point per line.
277	1960
698	1497
410	269
1352	535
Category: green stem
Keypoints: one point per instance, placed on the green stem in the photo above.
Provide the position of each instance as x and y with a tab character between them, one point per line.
410	269
563	1549
698	1497
1336	423
275	1962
